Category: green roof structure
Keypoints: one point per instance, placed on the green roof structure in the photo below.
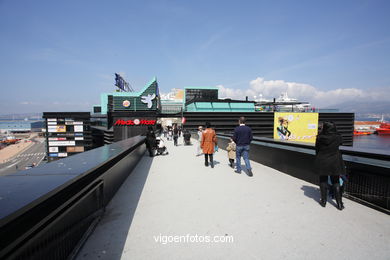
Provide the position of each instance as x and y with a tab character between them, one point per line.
134	101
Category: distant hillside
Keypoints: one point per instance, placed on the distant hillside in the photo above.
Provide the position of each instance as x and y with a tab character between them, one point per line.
365	107
366	110
22	116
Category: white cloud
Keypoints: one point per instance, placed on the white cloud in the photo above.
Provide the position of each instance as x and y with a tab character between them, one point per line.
304	92
235	93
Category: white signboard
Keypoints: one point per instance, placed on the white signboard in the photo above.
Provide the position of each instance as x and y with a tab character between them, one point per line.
57	138
62	154
53	149
52	128
77	122
52	119
79	138
62	143
78	128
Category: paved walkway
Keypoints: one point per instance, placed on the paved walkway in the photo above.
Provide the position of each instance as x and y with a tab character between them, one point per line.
269	216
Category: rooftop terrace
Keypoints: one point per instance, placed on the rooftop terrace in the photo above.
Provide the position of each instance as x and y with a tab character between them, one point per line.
269	216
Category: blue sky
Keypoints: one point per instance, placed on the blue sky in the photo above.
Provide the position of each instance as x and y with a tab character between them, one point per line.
60	55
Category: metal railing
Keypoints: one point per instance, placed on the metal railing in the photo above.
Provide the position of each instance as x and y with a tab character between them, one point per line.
47	212
368	170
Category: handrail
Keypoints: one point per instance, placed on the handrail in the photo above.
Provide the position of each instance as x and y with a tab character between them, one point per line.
368	170
347	150
37	202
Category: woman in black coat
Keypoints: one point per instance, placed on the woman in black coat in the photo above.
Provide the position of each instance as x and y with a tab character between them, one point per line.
329	162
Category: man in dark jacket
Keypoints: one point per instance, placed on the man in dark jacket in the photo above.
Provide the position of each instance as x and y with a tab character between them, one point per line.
329	162
150	141
242	137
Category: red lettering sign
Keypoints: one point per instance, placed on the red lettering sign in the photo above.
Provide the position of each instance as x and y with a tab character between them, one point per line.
135	122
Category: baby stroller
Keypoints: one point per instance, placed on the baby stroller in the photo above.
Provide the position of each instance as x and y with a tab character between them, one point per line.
161	148
187	137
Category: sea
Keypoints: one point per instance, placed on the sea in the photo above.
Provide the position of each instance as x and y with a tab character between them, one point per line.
17	124
376	142
23	125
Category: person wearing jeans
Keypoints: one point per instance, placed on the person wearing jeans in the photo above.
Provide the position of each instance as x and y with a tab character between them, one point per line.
242	137
244	152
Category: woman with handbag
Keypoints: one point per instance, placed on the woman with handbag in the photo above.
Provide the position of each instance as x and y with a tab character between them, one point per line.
209	140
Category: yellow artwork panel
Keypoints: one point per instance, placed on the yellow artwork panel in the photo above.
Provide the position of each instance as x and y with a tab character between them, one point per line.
300	127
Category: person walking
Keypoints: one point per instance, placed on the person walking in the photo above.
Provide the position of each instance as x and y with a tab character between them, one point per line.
209	139
175	134
150	141
329	162
242	137
186	137
198	148
231	148
165	131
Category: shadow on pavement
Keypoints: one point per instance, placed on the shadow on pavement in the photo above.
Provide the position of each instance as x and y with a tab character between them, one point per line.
314	193
311	192
117	219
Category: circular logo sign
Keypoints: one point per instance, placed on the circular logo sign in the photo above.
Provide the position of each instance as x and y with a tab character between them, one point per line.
136	121
126	103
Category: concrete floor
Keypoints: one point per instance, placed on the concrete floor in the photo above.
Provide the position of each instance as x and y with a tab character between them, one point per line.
269	216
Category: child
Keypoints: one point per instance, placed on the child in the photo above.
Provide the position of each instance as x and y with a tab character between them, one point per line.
231	148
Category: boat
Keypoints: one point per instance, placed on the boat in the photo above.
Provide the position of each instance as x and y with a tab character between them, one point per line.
292	103
365	127
383	129
355	132
281	104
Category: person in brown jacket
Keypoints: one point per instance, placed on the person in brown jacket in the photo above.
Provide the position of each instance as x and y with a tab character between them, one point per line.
231	148
209	140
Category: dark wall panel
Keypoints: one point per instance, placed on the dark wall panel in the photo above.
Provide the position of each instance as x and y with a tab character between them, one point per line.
344	123
262	123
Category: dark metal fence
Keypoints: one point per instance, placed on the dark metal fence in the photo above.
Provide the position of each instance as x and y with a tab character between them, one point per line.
368	172
262	123
48	211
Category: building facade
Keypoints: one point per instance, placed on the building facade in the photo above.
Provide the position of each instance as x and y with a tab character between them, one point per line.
67	133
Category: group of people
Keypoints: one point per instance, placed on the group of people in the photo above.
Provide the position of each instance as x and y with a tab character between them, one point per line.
155	145
238	146
329	165
174	132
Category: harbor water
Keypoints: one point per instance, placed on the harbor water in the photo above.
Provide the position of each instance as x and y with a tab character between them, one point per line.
380	143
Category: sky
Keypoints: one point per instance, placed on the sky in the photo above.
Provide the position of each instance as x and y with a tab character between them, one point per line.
60	55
